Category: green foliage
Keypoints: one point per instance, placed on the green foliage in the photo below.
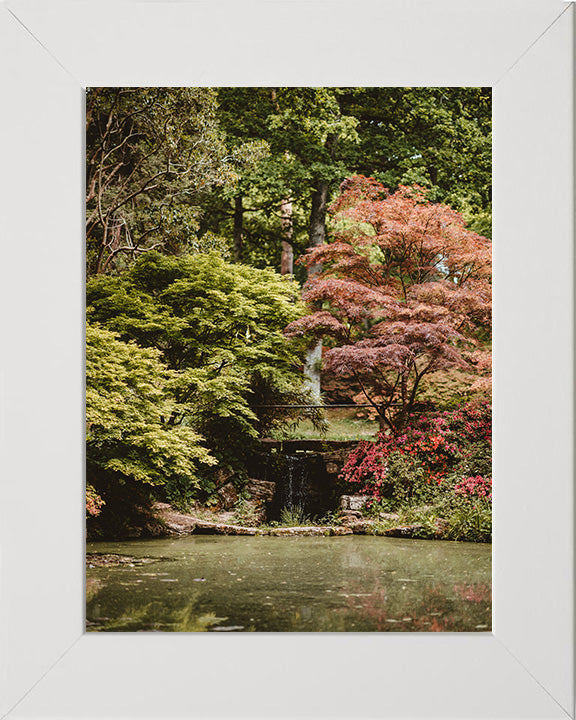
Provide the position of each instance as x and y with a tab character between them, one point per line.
304	130
447	518
164	165
445	389
467	519
219	328
153	155
294	517
247	513
407	480
131	445
439	138
332	517
127	412
182	492
195	346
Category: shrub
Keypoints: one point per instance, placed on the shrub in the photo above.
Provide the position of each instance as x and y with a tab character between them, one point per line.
94	502
294	516
131	446
248	513
467	519
217	328
441	462
429	450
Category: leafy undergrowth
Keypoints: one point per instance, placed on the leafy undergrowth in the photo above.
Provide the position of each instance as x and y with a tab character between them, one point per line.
246	515
444	520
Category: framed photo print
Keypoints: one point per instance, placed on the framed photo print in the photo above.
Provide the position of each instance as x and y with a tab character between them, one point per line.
252	384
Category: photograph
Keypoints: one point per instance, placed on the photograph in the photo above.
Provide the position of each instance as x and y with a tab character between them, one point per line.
288	359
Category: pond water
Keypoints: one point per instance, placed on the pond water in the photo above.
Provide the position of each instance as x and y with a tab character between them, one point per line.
302	584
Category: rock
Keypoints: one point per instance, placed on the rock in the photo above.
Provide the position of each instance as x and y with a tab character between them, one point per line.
332	468
350	514
335	456
353	502
223	475
227	496
361	527
404	531
389	516
261	490
177	523
180	525
228	628
162	506
311	530
203	527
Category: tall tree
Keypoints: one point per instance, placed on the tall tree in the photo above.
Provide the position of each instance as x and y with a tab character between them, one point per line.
404	289
152	156
303	128
300	127
287	257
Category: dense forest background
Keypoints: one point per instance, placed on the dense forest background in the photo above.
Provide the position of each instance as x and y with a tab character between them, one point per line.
250	172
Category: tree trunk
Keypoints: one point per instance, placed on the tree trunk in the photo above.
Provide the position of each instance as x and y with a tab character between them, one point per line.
312	371
287	258
383	424
313	363
318	222
238	228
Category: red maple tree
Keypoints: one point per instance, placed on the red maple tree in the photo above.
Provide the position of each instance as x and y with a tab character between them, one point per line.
405	290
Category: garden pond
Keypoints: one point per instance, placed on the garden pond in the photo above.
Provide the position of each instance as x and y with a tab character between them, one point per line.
291	584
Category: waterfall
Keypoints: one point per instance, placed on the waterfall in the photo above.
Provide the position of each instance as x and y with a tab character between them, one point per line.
302	474
294	487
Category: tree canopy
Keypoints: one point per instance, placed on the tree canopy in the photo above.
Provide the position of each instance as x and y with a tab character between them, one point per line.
439	138
219	327
404	289
153	154
239	170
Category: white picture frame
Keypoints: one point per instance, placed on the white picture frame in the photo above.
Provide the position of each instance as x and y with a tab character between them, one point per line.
51	50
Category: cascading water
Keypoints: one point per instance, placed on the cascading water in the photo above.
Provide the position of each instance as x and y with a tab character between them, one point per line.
294	487
303	485
292	474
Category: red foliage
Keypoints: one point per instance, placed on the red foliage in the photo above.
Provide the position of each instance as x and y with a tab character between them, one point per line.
404	289
472	487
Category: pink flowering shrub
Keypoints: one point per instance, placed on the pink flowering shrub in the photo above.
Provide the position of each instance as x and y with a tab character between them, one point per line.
475	487
450	452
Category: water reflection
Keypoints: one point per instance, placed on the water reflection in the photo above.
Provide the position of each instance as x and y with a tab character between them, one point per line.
358	584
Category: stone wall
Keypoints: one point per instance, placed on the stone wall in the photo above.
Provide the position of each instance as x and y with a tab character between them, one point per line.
304	474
